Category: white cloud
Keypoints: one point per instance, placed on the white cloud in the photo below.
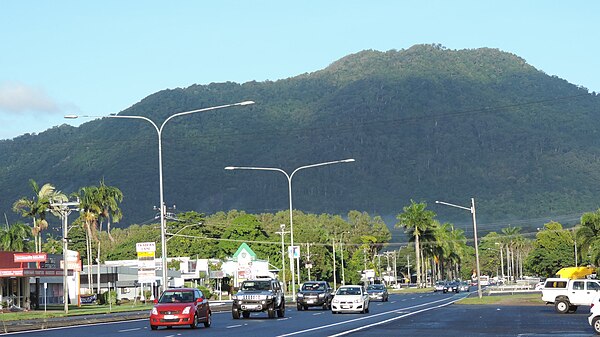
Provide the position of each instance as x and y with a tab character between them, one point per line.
18	98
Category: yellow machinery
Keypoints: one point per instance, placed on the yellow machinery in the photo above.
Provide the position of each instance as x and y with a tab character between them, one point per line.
575	272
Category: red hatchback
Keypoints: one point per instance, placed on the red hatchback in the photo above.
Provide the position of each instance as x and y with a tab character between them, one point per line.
182	306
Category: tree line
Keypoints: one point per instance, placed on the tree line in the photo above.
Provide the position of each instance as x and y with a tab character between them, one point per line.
348	244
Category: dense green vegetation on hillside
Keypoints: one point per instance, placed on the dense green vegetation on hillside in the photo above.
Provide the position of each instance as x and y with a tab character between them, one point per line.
424	123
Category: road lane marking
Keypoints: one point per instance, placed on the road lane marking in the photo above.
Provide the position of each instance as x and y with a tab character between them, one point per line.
391	319
234	326
127	330
317	313
395	311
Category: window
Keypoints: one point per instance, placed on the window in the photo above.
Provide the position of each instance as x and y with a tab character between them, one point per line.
578	285
593	286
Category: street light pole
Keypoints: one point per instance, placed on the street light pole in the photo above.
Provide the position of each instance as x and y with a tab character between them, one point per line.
163	226
289	178
472	210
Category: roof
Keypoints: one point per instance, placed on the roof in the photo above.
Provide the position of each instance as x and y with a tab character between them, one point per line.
245	247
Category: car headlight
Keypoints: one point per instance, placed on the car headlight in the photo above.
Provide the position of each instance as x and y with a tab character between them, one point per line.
335	300
186	310
322	295
154	311
300	295
234	297
269	297
358	300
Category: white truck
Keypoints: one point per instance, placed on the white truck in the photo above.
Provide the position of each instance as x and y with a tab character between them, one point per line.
567	294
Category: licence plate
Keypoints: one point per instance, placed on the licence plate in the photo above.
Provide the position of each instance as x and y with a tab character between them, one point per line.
251	306
310	301
170	317
345	307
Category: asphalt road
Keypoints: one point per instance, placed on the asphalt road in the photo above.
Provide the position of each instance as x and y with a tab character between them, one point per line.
430	314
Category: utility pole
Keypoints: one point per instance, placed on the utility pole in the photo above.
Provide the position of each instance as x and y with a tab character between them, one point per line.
282	232
308	261
408	267
334	277
64	209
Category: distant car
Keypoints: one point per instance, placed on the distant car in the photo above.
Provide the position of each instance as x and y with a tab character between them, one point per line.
452	286
594	317
464	286
350	299
181	306
377	292
314	294
439	286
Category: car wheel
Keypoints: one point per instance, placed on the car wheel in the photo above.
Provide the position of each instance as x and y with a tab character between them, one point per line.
271	311
596	324
235	313
281	310
306	307
194	322
208	321
298	307
245	314
153	327
561	306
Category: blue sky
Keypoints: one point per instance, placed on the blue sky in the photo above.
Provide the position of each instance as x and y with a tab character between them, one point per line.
100	57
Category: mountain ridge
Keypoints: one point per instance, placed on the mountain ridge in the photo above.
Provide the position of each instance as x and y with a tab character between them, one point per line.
424	123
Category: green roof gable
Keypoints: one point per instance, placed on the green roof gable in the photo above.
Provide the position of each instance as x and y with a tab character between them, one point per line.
247	248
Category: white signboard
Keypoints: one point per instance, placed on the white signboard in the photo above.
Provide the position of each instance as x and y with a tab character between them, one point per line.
293	252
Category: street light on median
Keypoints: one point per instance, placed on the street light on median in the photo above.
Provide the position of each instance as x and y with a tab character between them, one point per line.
289	178
163	226
472	210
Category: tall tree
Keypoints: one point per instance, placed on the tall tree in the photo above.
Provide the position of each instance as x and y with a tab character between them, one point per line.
588	236
15	238
36	207
416	219
90	210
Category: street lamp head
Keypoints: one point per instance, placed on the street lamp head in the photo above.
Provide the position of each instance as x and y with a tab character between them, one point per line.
71	116
437	202
245	103
348	160
230	168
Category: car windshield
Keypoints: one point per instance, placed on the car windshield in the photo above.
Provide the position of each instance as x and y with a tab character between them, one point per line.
348	291
177	297
256	285
313	287
376	287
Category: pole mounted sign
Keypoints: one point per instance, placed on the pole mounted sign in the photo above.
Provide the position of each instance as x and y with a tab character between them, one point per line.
293	252
146	264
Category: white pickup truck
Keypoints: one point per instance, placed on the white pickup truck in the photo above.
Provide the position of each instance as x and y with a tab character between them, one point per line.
567	294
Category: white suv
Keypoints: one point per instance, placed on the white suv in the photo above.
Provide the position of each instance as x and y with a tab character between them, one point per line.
594	318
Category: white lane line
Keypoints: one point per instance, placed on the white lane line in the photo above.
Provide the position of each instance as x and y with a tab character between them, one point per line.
391	319
233	326
127	330
399	310
317	313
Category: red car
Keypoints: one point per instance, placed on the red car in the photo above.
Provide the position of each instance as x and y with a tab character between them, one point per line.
182	306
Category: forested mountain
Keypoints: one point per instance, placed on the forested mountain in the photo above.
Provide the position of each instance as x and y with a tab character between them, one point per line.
426	123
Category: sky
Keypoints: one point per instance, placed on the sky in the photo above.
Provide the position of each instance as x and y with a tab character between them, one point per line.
100	57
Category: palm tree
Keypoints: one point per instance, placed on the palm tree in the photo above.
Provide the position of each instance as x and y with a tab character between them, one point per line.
36	208
89	215
588	236
108	199
512	235
416	220
15	238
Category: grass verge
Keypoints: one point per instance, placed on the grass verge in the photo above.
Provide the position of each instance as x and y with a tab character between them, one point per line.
57	311
508	299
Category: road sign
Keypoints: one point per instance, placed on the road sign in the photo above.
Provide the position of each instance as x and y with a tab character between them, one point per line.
294	252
